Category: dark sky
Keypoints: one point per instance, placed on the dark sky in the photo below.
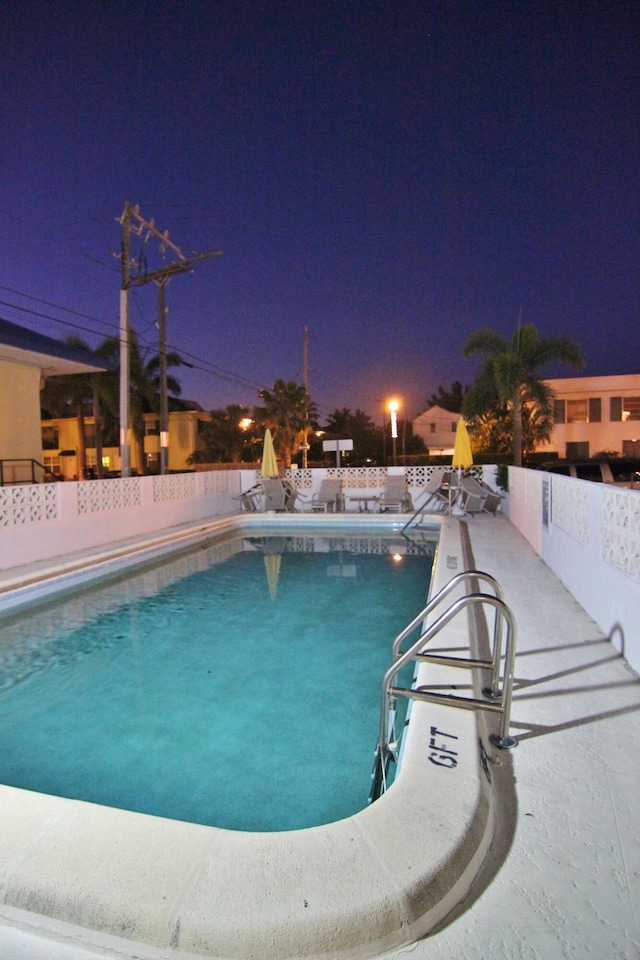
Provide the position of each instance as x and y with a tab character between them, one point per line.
392	175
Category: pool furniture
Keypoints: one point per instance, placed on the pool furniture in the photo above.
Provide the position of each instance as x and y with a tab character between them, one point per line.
291	495
275	493
363	500
436	497
494	499
448	492
395	495
328	497
250	499
472	496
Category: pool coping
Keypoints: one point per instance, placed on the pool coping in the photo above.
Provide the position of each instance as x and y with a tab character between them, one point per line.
356	888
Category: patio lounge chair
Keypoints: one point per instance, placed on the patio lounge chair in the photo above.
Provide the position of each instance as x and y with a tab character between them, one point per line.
275	493
395	495
436	496
328	497
250	499
290	497
279	494
472	497
494	499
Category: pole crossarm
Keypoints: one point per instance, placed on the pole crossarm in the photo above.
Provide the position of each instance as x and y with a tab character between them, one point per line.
165	273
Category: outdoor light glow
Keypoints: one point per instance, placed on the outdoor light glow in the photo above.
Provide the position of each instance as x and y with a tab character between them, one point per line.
397	558
245	423
393	407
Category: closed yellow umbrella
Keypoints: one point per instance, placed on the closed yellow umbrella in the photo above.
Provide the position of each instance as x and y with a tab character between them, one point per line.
462	456
269	465
272	564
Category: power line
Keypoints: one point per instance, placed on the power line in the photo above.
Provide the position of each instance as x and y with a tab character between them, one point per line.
49	303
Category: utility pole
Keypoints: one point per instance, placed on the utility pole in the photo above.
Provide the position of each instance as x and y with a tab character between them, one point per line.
164	400
125	446
133	221
305	384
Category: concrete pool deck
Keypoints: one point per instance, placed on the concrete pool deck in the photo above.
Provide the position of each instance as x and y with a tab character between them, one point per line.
564	876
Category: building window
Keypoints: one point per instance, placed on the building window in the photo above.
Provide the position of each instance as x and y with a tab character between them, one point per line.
152	428
631	448
432	427
595	410
90	435
559	413
50	438
625	408
578	450
454	424
52	464
577	411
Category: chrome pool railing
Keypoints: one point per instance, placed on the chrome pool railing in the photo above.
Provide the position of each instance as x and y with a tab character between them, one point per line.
498	694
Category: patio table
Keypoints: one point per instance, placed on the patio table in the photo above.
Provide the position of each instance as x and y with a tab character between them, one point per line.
363	500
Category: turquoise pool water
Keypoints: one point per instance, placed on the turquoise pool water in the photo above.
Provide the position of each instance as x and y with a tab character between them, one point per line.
236	685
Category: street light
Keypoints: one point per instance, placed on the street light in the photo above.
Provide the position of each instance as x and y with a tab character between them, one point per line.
393	408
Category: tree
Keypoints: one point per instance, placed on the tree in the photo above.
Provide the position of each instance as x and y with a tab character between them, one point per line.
492	430
509	378
288	411
223	439
449	399
72	395
358	426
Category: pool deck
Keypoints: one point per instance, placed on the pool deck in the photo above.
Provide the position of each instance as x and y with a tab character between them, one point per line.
563	877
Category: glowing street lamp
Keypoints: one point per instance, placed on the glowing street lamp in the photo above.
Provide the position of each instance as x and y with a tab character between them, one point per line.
393	409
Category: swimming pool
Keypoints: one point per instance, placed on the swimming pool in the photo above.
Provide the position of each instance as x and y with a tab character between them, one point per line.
356	887
236	685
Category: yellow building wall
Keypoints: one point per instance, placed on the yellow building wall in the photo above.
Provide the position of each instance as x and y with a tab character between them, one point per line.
20	434
183	438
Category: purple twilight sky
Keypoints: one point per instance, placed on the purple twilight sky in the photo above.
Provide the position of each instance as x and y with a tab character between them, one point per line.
392	175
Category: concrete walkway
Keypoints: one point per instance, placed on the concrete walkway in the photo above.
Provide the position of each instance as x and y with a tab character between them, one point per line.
564	877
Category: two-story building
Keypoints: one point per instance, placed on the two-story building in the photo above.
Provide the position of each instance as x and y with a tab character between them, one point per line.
595	414
60	443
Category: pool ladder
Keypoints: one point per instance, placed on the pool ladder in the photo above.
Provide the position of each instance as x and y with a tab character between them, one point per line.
497	694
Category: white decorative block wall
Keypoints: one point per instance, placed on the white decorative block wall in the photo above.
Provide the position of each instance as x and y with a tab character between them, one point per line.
175	486
621	530
570	506
28	503
100	496
216	481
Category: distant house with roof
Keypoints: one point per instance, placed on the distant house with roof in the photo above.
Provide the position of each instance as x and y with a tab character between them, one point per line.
437	427
26	359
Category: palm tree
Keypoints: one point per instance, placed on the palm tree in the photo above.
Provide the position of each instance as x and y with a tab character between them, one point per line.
509	373
73	394
288	411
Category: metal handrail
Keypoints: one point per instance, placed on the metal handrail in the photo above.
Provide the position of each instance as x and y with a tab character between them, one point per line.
28	462
444	592
499	693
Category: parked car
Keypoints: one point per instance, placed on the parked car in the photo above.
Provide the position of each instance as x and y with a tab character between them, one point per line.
621	471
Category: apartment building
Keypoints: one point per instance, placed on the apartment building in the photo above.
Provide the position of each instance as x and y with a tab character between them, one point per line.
594	414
